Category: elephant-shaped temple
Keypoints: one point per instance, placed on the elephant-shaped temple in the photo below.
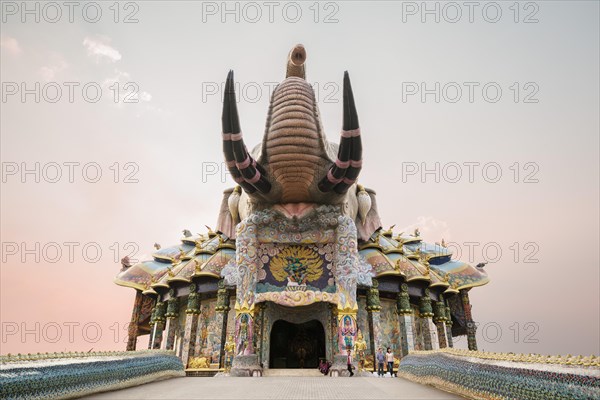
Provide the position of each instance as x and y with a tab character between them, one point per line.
299	270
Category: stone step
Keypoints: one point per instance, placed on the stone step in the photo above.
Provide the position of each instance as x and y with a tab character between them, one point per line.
291	372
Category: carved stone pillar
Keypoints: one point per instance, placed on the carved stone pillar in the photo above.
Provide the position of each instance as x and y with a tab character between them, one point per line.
449	325
439	317
428	328
222	311
471	327
191	325
159	324
373	311
331	348
405	319
172	316
151	323
259	330
132	329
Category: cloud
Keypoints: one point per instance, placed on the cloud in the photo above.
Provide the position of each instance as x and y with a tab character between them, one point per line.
119	77
145	96
99	49
127	90
10	44
49	71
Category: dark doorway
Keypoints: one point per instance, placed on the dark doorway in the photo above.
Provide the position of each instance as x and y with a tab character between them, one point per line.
297	345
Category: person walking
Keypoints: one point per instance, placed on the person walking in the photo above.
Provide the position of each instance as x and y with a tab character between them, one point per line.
389	356
350	363
380	360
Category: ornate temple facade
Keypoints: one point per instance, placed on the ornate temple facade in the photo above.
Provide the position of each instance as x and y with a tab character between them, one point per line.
299	269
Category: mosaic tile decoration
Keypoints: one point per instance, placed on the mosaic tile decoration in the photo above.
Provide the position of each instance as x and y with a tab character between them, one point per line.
71	375
480	375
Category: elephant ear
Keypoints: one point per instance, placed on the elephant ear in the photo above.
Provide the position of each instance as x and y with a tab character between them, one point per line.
372	221
226	223
344	171
364	203
233	202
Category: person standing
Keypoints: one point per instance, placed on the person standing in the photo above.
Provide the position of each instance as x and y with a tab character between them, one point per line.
389	356
380	360
350	363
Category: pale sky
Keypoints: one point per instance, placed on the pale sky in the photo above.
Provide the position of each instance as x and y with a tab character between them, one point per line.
541	133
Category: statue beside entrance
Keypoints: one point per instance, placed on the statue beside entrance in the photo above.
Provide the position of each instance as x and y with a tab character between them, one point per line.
359	349
229	351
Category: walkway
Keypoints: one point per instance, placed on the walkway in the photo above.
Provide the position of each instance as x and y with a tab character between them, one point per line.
280	387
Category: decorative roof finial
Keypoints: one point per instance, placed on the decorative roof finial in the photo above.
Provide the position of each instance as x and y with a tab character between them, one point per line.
389	232
170	270
397	265
157	246
211	233
125	262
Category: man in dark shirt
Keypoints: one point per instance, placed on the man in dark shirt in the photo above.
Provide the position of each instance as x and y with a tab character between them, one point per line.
380	361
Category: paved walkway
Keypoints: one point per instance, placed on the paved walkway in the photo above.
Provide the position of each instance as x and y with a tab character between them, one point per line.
279	388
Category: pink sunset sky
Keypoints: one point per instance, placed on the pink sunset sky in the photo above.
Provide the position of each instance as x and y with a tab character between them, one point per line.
483	133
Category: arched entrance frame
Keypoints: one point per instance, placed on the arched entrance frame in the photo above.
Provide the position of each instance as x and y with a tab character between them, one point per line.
297	315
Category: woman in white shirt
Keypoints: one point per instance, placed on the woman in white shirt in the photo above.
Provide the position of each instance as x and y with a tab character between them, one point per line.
389	357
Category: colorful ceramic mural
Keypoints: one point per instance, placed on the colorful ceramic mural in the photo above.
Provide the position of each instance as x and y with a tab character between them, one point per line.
209	331
417	329
319	251
296	268
346	333
389	327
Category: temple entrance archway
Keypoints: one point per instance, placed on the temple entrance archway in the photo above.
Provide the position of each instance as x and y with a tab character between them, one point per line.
297	345
272	314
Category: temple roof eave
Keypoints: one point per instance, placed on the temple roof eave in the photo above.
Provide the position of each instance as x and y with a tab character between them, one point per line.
131	285
408	258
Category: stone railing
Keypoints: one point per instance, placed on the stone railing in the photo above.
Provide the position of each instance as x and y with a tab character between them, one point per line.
481	375
70	375
75	354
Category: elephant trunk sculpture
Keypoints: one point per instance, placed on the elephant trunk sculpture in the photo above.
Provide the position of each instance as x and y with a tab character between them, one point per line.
295	65
295	163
